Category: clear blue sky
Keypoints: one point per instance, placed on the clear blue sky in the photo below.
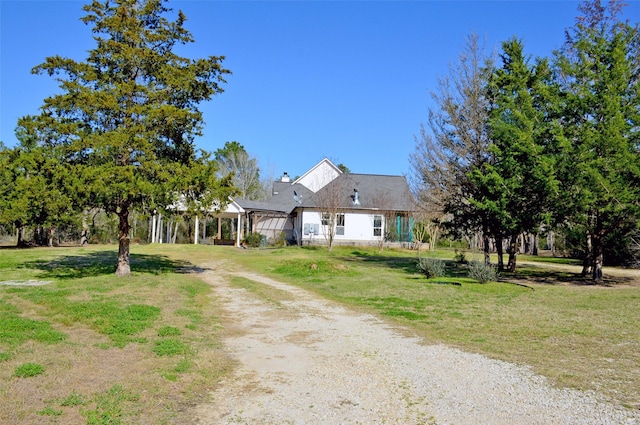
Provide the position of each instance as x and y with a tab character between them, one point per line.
347	80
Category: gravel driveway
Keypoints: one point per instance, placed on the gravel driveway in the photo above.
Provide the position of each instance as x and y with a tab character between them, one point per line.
311	361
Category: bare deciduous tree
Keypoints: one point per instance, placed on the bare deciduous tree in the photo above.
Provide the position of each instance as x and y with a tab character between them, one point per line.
455	138
330	203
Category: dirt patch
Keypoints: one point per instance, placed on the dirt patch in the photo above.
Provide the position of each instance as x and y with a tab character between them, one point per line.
25	282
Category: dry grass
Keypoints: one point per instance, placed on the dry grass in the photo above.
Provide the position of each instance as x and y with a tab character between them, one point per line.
89	377
577	335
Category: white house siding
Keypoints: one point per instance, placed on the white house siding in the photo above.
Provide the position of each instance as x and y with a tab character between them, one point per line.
358	227
319	176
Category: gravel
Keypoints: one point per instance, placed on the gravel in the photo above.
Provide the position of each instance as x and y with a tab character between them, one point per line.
310	361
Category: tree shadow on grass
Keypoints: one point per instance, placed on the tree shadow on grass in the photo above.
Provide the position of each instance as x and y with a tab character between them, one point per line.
406	264
102	263
540	275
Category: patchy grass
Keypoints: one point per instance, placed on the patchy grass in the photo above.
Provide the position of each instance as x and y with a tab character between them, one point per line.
147	347
109	345
28	370
111	407
170	347
577	334
268	293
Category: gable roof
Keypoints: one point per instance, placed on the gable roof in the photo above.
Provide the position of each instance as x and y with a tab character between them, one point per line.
374	192
319	175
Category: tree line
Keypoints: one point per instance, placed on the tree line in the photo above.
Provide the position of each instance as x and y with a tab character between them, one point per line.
516	145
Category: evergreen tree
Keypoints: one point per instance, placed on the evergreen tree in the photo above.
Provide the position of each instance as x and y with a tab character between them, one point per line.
599	162
127	116
33	191
516	181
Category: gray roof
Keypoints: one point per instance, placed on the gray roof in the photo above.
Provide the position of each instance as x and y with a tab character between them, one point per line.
390	193
375	191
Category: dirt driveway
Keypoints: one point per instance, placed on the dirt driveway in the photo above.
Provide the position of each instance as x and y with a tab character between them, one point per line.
305	360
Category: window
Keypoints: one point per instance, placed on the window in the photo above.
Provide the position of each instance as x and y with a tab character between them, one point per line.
377	225
325	219
340	224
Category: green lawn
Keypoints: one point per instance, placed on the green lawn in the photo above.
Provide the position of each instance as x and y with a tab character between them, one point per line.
111	350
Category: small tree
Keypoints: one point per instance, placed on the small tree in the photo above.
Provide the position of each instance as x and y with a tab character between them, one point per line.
330	203
234	161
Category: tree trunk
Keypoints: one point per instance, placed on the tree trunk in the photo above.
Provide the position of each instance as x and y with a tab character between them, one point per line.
50	238
586	264
175	232
536	244
84	238
19	236
513	252
500	252
486	247
123	268
598	259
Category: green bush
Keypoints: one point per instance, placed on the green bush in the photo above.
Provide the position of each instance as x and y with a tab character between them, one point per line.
460	257
431	267
253	240
482	272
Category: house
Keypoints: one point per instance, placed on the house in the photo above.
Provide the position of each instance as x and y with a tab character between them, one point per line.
327	203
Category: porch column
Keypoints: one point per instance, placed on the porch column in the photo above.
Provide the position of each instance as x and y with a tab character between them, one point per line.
153	229
197	231
239	230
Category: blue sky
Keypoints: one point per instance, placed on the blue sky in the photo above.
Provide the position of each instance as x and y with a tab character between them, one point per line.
347	80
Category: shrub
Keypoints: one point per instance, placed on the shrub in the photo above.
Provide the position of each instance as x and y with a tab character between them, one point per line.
460	257
253	240
482	272
279	242
431	267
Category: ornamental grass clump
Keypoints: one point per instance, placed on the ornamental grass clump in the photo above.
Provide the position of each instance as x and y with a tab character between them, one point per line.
483	273
431	267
